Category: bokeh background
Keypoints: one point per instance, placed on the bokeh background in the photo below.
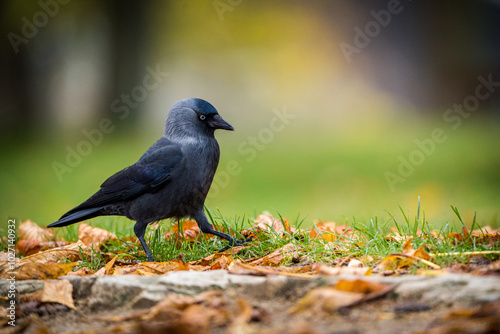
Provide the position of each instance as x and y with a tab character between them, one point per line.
85	88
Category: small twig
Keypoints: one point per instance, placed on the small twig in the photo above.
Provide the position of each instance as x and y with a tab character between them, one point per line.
464	253
429	263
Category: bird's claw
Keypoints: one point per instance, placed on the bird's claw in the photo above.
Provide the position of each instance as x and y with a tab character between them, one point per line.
235	243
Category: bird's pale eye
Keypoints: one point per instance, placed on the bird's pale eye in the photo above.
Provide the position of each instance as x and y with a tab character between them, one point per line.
202	117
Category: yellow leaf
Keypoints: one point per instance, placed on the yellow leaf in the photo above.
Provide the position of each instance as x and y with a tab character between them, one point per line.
37	270
59	291
109	266
394	261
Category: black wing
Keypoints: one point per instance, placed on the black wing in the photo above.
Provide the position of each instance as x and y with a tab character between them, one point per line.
152	171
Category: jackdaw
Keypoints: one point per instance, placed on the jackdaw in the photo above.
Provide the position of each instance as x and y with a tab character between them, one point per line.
170	180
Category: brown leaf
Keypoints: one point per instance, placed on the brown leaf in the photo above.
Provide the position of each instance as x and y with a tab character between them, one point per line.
187	230
71	252
239	268
31	231
221	263
420	252
94	236
59	291
38	270
29	247
210	258
268	223
160	268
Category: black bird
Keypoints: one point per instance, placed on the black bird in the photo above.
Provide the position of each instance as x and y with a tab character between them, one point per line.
170	180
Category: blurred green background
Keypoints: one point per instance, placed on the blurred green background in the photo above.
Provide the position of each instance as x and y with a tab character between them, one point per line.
334	103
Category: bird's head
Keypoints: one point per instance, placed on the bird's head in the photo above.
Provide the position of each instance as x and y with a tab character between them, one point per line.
194	118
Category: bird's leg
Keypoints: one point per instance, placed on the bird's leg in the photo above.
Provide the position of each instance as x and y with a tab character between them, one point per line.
140	230
206	227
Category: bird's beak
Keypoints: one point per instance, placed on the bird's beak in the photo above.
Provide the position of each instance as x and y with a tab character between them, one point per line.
217	122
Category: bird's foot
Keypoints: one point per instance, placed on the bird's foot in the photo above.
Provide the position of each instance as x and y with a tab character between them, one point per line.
235	242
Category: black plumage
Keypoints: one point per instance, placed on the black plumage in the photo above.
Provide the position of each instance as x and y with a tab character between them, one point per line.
170	180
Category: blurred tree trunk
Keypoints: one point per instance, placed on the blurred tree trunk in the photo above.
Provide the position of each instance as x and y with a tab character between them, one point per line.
130	24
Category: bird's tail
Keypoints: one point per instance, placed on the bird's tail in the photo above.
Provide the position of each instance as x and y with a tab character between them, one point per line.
75	217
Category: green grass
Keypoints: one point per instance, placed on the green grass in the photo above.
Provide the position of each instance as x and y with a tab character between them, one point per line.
369	241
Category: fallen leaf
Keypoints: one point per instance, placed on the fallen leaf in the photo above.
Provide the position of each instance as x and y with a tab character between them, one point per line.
210	258
324	230
267	223
108	268
221	263
38	270
70	252
409	250
398	261
394	262
187	230
31	231
59	291
161	268
239	268
94	236
29	247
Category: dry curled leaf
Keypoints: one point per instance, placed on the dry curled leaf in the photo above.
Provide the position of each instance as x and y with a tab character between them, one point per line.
270	224
38	270
71	252
95	236
30	247
59	291
222	262
31	231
